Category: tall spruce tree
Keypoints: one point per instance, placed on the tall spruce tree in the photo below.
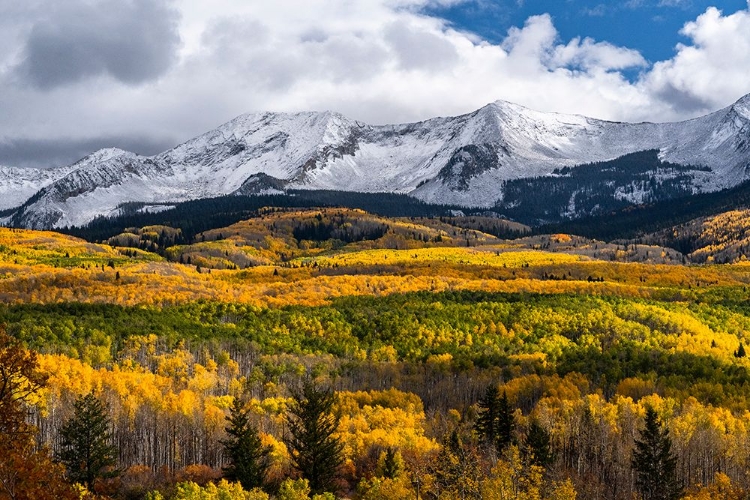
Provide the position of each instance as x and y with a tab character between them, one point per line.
315	452
740	352
506	423
654	462
86	449
538	444
496	421
486	424
248	457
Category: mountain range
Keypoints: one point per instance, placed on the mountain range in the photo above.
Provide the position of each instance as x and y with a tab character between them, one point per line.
537	167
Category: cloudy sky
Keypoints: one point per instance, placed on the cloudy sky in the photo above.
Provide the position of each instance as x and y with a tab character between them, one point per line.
145	75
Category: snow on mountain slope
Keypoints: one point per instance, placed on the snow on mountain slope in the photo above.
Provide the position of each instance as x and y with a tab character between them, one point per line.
18	184
462	160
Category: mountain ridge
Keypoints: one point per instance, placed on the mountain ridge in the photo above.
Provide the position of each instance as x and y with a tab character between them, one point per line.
462	160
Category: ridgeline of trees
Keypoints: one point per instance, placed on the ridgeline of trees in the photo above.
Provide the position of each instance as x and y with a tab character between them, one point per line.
195	217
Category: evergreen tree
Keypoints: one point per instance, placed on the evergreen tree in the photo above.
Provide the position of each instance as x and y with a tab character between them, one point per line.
654	462
86	449
486	424
496	421
538	444
740	352
315	452
248	458
506	423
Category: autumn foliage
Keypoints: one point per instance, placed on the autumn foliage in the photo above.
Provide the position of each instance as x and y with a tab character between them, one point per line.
462	365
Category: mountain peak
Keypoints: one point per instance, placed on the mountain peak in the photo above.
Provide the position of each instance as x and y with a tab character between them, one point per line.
103	155
742	106
470	160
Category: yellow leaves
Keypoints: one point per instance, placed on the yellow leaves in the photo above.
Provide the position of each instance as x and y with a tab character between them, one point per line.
269	406
222	402
348	272
721	489
388	419
215	491
214	417
440	362
203	378
175	365
385	488
563	490
490	257
635	387
292	489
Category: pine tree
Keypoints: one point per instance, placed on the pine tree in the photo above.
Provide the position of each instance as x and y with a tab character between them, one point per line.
506	423
740	352
486	424
86	449
315	452
654	462
248	458
496	421
538	444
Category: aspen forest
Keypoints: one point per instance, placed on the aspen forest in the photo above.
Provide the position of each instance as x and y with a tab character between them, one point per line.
333	353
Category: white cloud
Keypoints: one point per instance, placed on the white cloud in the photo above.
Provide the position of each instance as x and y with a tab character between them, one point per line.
713	69
374	60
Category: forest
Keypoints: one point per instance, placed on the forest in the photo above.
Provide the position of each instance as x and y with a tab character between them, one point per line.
596	189
334	353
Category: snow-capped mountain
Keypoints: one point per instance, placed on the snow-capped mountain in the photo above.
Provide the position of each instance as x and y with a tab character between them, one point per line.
464	160
18	184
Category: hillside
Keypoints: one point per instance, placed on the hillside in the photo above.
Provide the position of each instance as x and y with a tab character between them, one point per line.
635	221
722	238
411	319
277	235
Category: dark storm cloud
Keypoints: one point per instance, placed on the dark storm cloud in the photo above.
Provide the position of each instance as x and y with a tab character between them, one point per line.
133	41
48	153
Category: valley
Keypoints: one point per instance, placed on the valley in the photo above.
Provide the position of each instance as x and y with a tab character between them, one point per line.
410	319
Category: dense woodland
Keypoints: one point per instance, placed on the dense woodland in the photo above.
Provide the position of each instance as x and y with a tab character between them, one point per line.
337	354
596	188
633	222
194	217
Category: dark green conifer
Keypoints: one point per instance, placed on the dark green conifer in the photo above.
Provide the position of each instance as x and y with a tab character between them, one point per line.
86	449
538	444
486	424
248	457
496	421
740	352
506	423
654	462
315	452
